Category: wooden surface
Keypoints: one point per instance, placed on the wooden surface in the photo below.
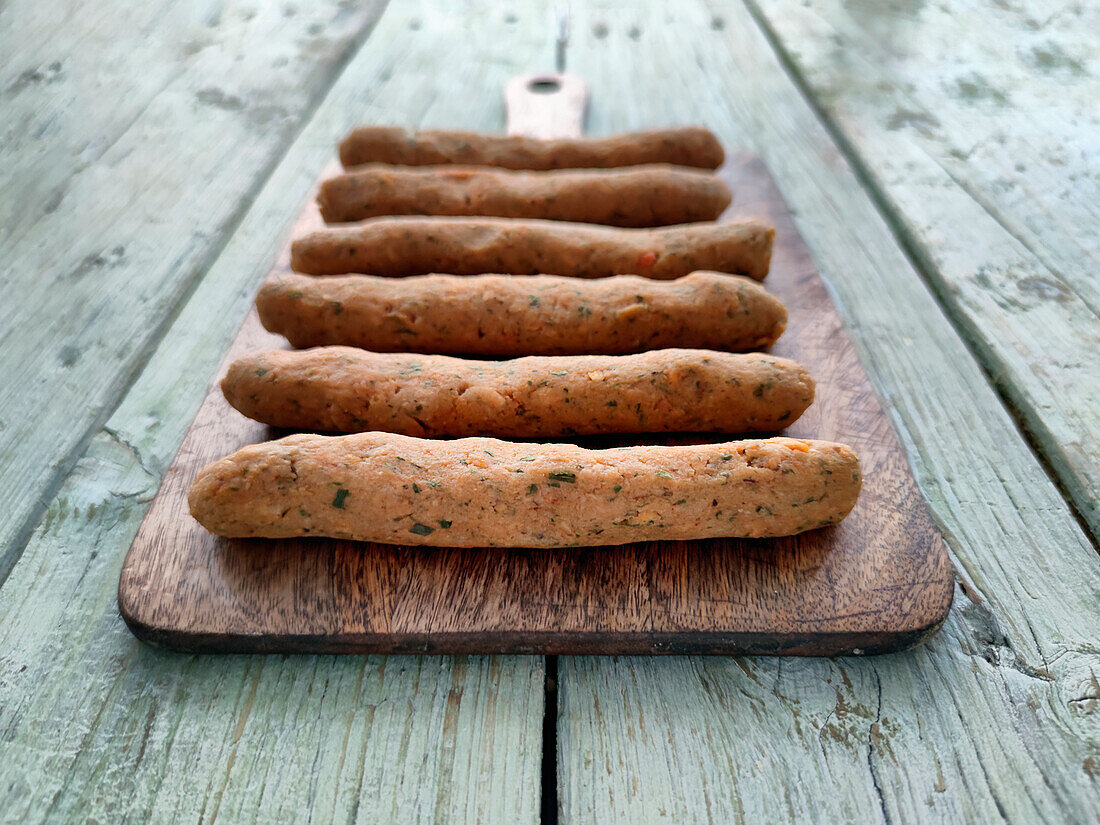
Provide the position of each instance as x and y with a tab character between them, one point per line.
989	164
104	284
94	724
996	719
878	582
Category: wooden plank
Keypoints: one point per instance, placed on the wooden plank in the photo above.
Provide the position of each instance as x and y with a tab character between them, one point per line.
878	582
995	719
96	725
134	139
976	127
1006	522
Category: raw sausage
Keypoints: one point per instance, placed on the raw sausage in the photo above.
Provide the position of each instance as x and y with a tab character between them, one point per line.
672	390
397	247
508	315
638	196
683	146
477	492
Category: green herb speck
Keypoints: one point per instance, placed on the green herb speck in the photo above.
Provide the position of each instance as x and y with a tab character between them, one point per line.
416	487
532	489
421	529
338	502
664	474
446	525
563	475
618	487
534	301
261	372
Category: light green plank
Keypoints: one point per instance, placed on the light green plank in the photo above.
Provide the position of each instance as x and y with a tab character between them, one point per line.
998	717
673	700
96	725
978	125
122	171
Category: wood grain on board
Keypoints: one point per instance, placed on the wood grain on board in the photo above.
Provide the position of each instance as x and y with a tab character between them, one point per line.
879	581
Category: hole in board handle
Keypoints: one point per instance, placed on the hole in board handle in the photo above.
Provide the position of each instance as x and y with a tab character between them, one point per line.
544	85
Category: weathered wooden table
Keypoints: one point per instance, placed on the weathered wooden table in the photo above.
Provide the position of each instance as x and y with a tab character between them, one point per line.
941	164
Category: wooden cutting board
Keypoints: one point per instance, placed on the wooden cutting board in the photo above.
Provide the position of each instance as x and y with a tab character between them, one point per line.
878	582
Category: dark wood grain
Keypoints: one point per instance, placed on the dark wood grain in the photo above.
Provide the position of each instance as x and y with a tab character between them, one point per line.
878	582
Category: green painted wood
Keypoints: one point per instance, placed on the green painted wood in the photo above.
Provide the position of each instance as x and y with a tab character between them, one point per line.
133	139
997	718
99	727
94	725
976	125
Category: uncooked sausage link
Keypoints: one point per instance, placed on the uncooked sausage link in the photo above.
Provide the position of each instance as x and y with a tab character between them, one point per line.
683	146
638	196
538	315
673	390
398	247
483	492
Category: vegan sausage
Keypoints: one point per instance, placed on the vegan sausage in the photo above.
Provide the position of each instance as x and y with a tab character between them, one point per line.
504	315
477	492
402	246
682	146
672	390
637	196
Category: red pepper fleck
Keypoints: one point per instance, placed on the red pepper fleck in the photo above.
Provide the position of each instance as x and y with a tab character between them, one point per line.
646	261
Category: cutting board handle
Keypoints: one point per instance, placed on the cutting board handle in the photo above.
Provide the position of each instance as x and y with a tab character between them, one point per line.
546	105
